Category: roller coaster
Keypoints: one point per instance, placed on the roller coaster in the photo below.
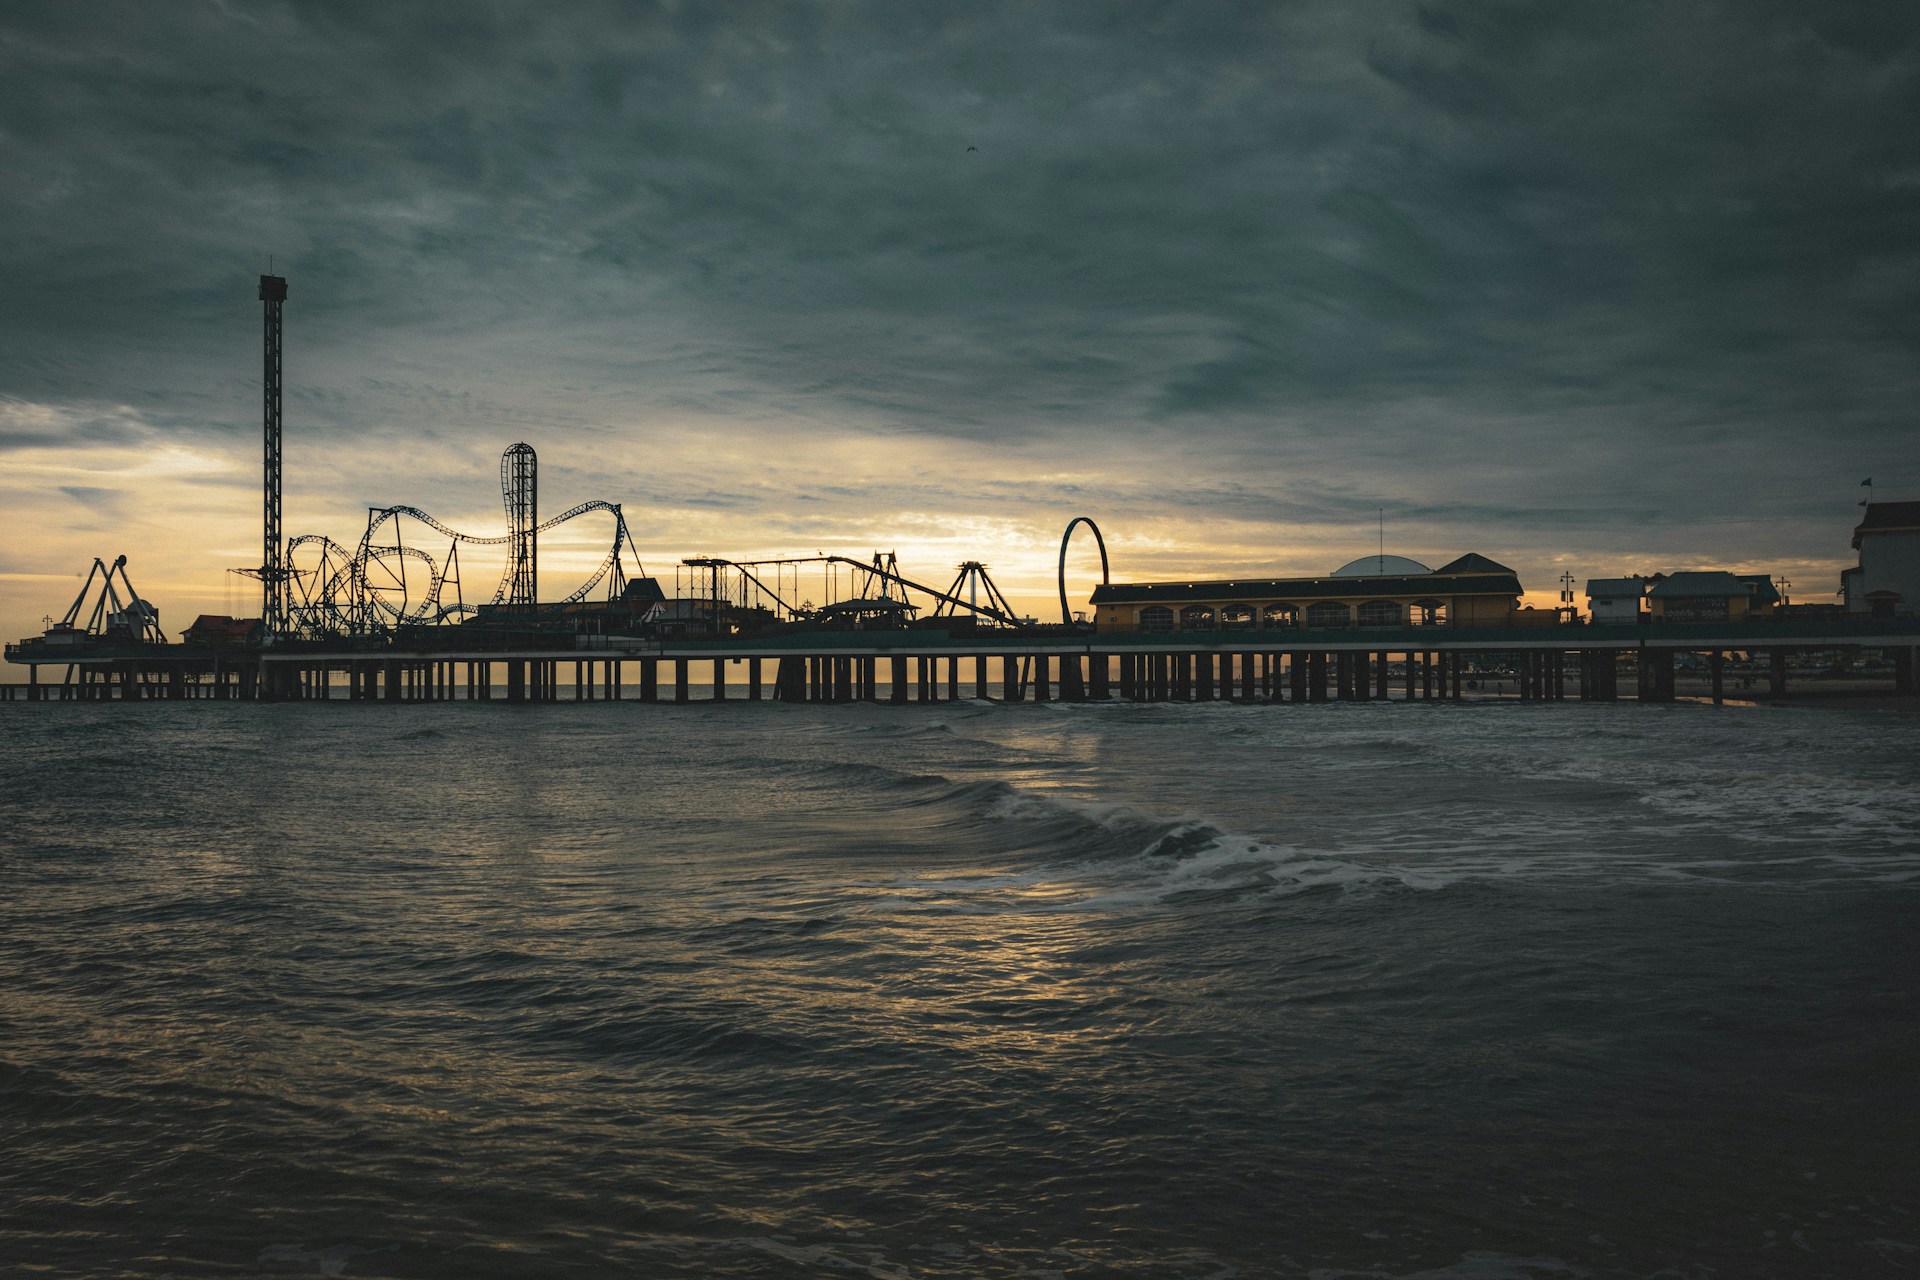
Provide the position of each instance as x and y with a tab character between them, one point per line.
389	581
396	579
853	592
376	587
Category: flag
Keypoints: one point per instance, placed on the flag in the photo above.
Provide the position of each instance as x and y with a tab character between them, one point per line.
1868	482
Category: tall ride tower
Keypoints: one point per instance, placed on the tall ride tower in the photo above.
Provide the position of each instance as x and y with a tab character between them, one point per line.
273	572
519	487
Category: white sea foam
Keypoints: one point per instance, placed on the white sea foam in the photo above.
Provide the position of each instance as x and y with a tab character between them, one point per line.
1677	819
1148	860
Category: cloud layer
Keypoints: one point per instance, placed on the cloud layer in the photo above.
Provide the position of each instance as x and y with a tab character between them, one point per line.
1602	288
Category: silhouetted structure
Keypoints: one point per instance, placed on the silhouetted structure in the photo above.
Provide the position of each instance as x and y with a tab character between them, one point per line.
520	487
1886	582
273	574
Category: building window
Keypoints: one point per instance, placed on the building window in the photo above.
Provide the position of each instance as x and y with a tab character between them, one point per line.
1156	617
1236	617
1280	615
1379	613
1429	613
1327	613
1196	617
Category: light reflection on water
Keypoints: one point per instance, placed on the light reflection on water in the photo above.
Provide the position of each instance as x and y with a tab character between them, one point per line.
967	990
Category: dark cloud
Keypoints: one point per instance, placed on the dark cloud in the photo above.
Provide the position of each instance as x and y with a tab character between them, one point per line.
1492	263
26	425
97	501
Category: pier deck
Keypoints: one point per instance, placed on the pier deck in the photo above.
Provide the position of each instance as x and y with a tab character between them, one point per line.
1279	665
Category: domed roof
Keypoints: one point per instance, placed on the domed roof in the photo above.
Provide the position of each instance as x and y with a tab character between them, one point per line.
1380	567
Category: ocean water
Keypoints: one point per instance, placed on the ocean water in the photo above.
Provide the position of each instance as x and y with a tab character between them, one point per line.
1481	992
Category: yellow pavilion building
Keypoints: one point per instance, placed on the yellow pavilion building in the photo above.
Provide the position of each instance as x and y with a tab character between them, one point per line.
1373	591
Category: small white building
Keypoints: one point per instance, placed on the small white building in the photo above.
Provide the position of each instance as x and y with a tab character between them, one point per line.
1615	599
1887	579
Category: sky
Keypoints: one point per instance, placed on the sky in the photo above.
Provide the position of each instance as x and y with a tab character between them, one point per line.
1589	289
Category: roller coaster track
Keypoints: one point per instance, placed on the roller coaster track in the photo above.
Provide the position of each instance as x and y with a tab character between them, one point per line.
997	610
379	516
472	539
365	590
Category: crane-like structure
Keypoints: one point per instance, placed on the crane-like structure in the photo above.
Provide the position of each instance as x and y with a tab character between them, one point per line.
118	612
974	580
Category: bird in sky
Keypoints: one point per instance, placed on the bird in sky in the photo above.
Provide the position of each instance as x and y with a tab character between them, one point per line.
973	148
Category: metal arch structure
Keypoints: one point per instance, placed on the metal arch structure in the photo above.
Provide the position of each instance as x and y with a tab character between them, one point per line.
1066	615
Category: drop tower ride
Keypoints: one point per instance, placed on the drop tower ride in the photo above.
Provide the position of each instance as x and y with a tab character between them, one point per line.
273	571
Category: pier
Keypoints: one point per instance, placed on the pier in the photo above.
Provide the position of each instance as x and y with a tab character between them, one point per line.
387	619
1590	663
